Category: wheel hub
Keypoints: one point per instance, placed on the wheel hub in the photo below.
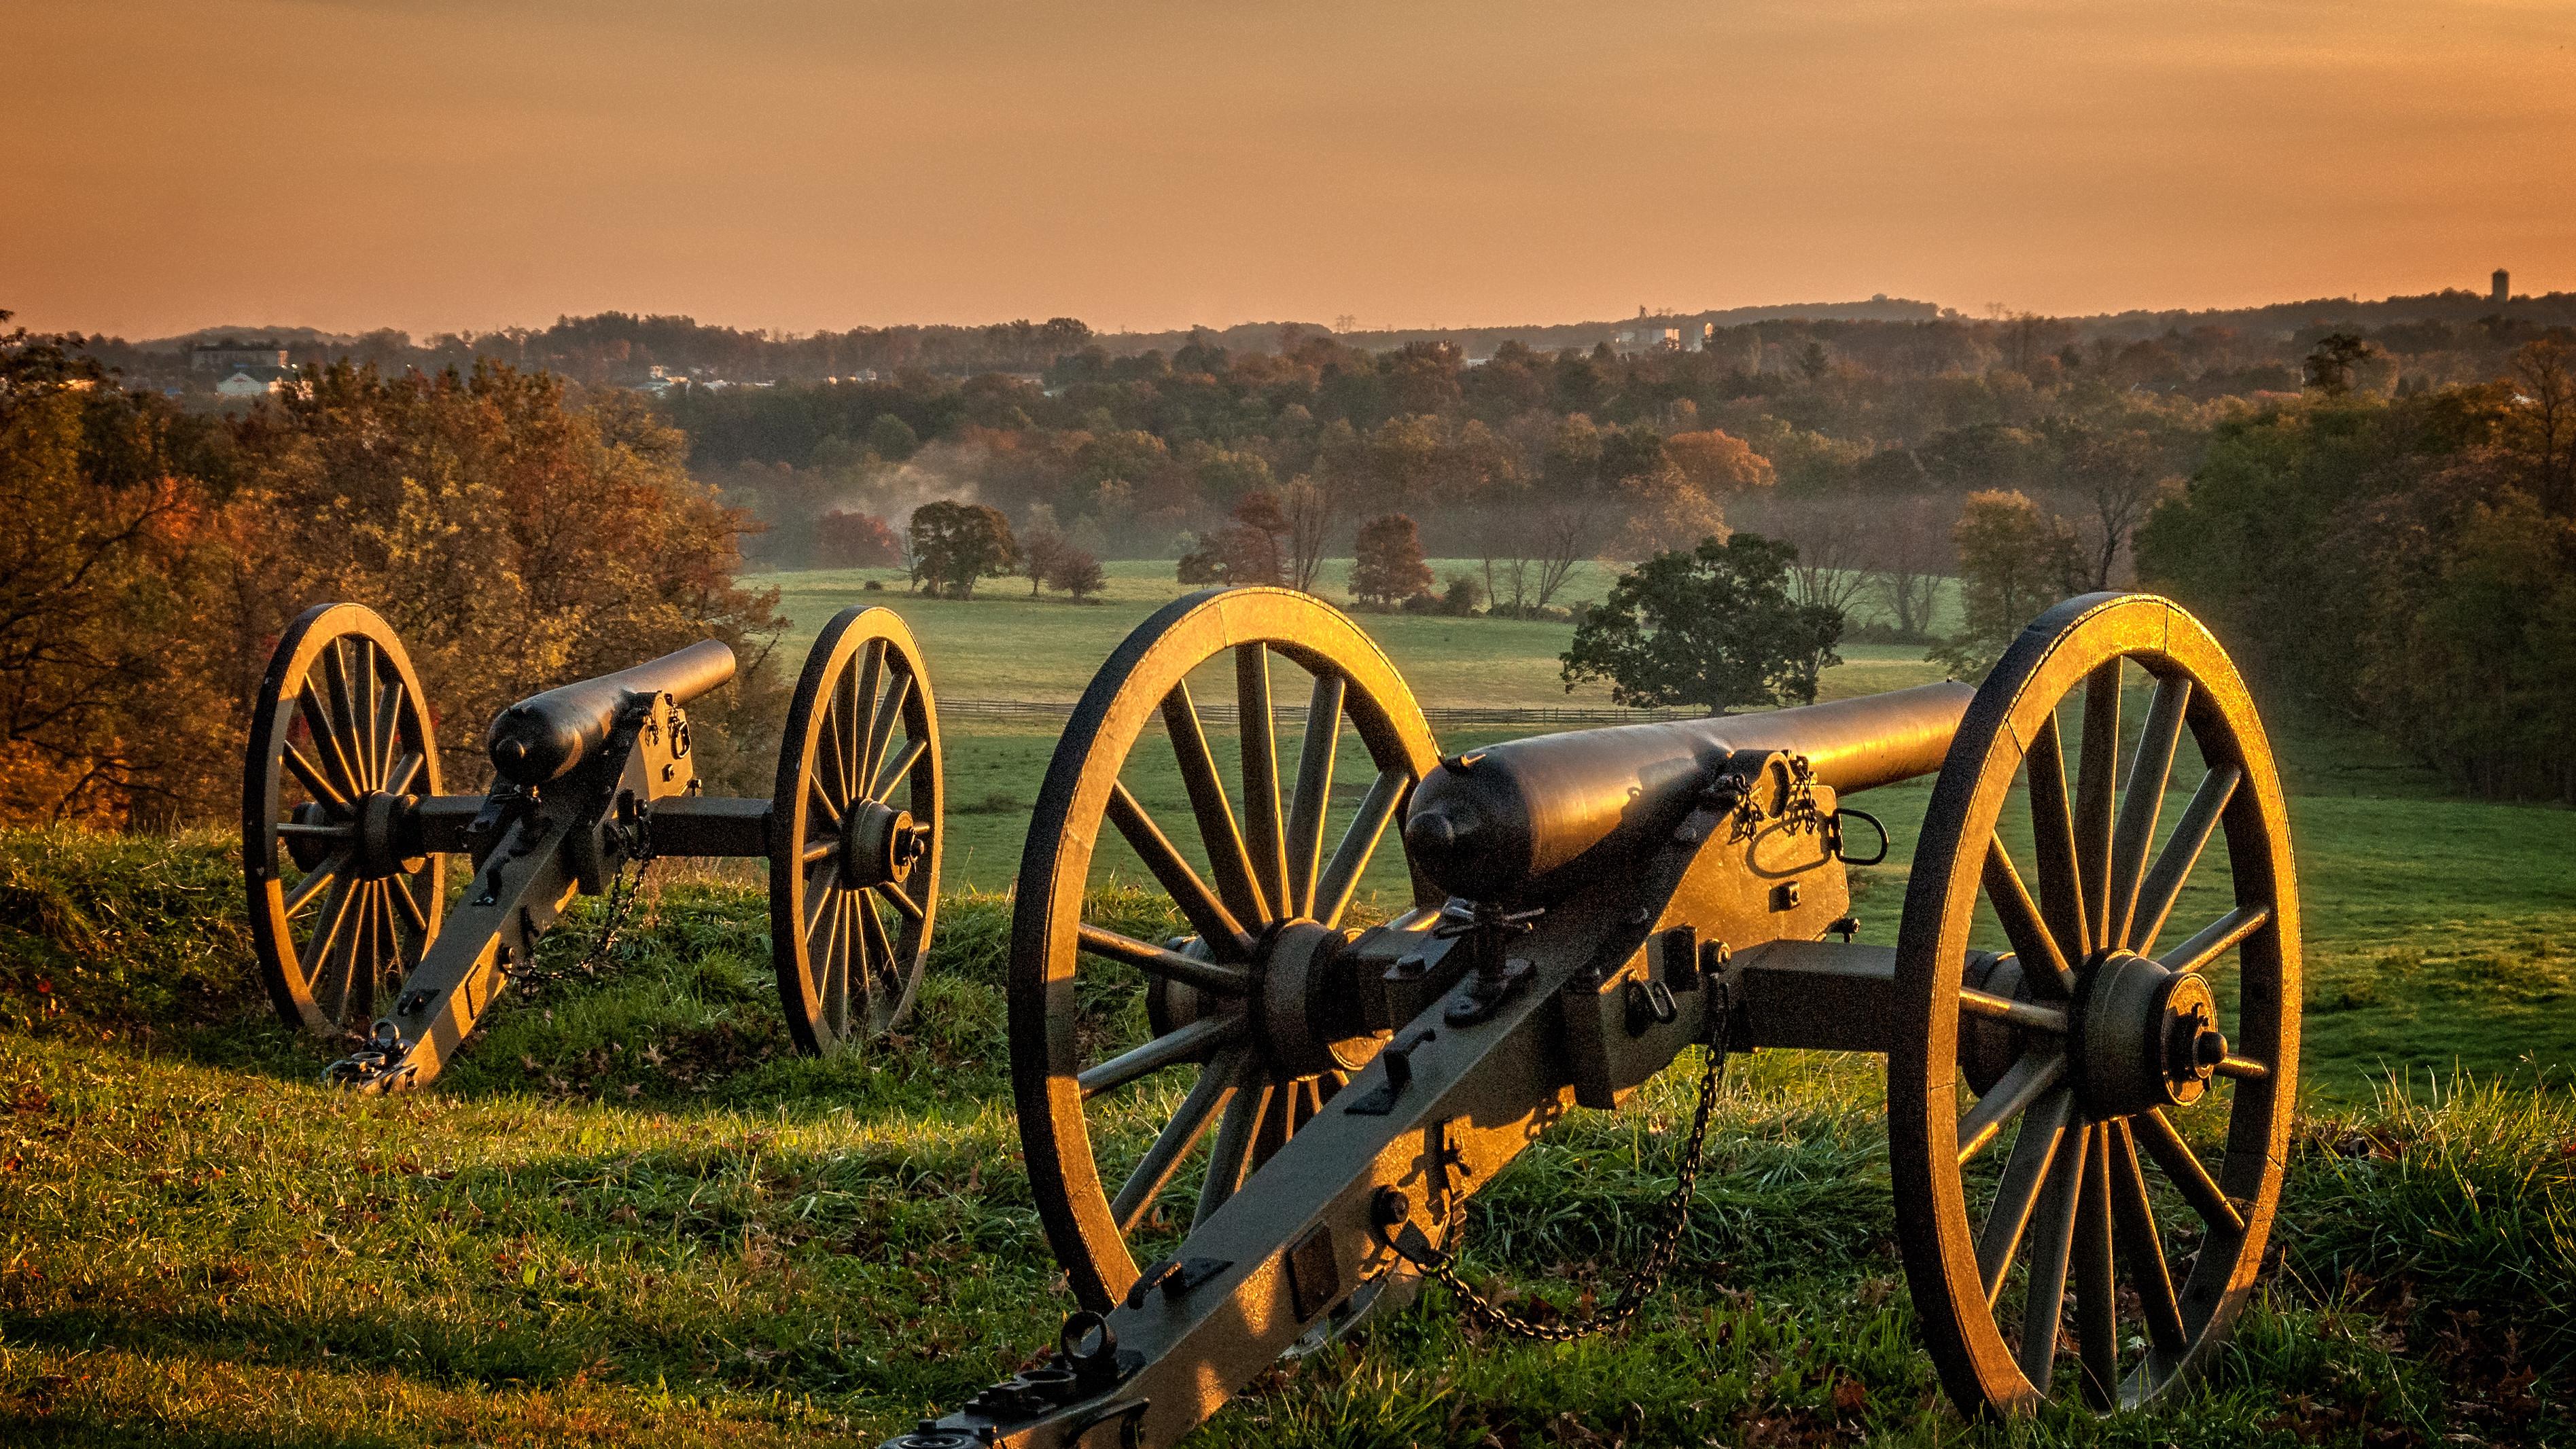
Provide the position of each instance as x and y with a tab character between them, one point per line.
2144	1036
1305	1014
881	844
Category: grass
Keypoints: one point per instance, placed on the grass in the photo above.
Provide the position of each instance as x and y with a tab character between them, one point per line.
632	1216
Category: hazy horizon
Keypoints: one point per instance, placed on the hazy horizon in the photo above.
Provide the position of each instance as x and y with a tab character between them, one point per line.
459	165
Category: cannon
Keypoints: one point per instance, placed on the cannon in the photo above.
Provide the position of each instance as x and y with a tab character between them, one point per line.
347	836
1280	1141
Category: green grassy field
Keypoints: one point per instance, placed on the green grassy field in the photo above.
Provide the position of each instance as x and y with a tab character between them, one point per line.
632	1216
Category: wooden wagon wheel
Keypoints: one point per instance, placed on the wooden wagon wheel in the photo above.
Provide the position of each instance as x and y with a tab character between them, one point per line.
2129	1045
1224	999
854	848
342	901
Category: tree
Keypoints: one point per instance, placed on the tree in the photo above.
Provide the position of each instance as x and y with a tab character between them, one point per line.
1078	573
2330	364
2015	559
849	539
1043	551
892	438
1388	567
1310	510
1908	555
114	668
2123	473
1717	462
1715	627
954	544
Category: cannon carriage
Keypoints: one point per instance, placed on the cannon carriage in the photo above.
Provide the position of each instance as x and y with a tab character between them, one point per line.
348	838
2087	983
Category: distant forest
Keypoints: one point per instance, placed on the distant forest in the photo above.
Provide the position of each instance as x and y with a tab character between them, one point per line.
2378	510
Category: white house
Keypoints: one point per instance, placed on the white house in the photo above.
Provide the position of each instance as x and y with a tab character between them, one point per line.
242	384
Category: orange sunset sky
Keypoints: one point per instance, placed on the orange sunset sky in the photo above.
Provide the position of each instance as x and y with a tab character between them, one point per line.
796	164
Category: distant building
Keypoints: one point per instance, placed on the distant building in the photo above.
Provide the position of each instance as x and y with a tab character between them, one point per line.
229	356
245	383
2503	287
1650	339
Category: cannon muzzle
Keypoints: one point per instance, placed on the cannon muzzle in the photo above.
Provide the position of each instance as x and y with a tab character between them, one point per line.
1532	818
543	736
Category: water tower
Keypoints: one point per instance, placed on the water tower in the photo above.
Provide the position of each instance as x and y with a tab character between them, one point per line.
2503	292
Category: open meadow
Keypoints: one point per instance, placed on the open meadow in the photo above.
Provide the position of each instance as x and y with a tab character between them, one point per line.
632	1216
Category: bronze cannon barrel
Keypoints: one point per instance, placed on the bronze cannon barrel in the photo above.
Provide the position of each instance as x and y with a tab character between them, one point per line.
543	736
1531	818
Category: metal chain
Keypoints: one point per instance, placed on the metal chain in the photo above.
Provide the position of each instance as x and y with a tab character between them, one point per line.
1641	1285
617	907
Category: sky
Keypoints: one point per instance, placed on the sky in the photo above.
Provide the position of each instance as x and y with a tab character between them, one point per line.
440	165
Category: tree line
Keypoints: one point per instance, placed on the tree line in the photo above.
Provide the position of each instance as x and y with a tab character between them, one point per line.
516	535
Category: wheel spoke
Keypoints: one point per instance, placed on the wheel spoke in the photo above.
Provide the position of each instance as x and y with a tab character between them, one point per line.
398	780
1154	1172
411	909
2156	1133
819	849
896	768
2022	1084
2216	939
2043	1307
2025	1173
1227	858
1186	1044
2044	964
2095	785
888	716
2182	851
880	947
383	706
2053	827
321	875
901	899
832	967
388	946
2150	771
821	795
818	894
1207	975
1973	1002
326	743
348	731
857	688
2097	1307
1206	914
1262	829
327	928
1359	842
1314	789
322	789
2142	1247
1231	1159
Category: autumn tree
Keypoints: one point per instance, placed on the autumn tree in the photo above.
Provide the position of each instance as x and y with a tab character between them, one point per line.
515	538
849	539
1387	566
1715	627
2015	559
954	544
1718	463
116	678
